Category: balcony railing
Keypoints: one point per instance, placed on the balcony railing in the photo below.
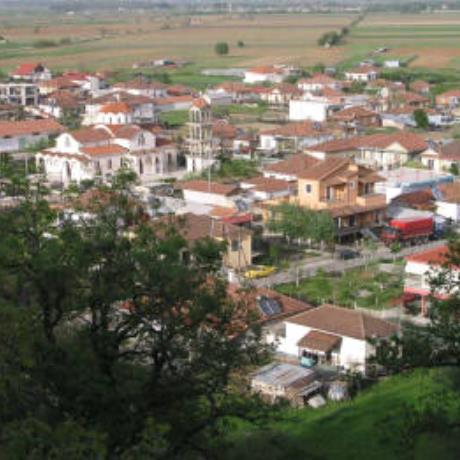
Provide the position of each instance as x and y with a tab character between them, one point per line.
371	199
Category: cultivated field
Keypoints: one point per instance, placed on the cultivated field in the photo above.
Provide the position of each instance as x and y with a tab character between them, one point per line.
429	40
121	40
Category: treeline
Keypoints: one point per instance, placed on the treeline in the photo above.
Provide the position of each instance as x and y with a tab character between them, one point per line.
335	38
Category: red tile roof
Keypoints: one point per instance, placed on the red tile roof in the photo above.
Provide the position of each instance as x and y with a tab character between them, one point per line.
91	135
344	322
18	128
293	165
267	69
112	149
298	129
353	113
209	187
267	184
26	68
115	107
433	256
412	142
325	168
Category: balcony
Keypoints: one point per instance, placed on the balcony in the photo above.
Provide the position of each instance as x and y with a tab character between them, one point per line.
371	200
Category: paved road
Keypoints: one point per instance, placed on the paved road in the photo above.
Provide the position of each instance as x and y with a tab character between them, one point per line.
328	264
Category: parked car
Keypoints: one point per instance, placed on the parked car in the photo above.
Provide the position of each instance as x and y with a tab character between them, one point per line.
347	254
259	271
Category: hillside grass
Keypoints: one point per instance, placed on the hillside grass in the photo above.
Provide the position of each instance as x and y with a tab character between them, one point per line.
405	417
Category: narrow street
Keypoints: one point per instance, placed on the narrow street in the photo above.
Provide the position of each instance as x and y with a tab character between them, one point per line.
308	268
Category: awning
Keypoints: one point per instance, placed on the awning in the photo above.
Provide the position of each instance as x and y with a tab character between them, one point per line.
319	341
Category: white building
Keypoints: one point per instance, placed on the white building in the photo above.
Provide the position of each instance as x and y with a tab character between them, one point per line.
421	268
318	82
270	74
119	108
333	335
16	136
262	188
314	109
363	74
100	151
32	72
210	193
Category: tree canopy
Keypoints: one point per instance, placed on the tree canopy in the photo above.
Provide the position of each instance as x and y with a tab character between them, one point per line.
297	222
111	346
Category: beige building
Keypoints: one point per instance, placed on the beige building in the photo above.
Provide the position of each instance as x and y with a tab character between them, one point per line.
345	190
193	228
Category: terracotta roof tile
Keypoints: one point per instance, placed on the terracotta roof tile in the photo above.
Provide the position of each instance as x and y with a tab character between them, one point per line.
112	149
433	256
293	165
91	135
18	128
344	322
267	184
115	107
209	187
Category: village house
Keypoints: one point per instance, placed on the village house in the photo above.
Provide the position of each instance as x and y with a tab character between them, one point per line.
142	87
315	107
119	108
421	268
280	94
100	151
379	151
16	136
16	93
57	84
89	83
290	168
318	82
409	99
442	158
420	87
355	119
447	200
194	228
224	135
346	191
449	98
173	103
293	136
240	92
276	382
270	74
331	335
364	73
32	72
262	188
60	103
210	193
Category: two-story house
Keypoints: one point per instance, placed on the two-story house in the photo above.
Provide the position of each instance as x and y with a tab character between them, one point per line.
345	190
421	268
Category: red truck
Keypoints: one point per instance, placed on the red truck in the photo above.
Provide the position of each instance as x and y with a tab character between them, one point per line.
415	230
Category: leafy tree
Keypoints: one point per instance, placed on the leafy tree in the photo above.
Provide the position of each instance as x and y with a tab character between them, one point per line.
297	222
110	345
71	119
241	44
454	169
421	119
221	48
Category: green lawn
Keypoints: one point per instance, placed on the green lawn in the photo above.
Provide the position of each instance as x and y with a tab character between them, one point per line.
369	288
174	119
405	417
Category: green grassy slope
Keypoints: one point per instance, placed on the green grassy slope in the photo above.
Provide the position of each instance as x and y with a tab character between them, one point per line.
405	417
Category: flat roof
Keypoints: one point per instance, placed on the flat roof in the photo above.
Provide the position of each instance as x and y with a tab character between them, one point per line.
410	176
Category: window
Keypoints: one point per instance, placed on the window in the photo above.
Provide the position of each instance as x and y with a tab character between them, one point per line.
430	164
109	164
308	188
141	139
235	245
352	184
